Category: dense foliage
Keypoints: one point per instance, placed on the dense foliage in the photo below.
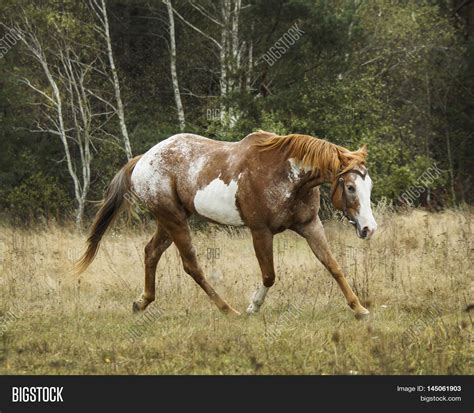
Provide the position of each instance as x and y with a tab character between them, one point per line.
396	75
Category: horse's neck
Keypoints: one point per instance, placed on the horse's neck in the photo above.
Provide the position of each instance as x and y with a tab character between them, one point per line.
311	180
323	177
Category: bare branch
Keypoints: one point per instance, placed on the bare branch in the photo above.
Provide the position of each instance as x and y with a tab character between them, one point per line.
219	46
201	10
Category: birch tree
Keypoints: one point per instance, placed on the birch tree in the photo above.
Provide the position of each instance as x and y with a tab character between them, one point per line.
230	47
174	74
70	109
100	9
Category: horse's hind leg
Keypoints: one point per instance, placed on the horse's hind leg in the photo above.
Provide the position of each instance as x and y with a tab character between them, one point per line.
153	252
181	236
263	245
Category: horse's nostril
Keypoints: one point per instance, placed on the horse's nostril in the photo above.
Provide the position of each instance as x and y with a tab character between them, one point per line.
365	231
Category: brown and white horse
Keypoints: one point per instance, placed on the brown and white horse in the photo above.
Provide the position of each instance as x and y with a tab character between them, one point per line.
266	182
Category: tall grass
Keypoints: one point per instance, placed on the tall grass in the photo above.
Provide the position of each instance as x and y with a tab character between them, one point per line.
415	276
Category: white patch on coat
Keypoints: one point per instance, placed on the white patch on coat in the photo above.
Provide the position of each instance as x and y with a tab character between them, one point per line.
216	201
294	170
149	178
146	178
196	167
257	300
365	217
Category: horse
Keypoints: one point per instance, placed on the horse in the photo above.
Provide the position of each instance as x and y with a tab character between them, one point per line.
266	182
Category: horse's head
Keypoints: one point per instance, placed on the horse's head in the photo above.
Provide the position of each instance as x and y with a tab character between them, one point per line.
350	193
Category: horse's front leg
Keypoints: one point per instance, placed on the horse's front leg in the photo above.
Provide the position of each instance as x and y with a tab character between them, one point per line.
263	246
314	234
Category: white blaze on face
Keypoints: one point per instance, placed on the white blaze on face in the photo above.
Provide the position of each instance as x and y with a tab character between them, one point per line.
365	218
216	201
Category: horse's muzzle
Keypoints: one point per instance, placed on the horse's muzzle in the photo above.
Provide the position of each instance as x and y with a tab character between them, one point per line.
363	232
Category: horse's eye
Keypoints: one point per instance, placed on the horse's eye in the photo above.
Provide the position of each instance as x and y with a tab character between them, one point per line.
351	188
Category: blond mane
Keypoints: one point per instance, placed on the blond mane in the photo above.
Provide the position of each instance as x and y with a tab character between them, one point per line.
316	154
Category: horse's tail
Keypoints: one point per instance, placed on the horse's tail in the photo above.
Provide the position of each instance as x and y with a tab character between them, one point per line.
109	210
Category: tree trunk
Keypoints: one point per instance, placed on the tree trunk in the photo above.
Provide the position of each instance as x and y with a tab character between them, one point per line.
230	51
174	74
118	96
63	136
68	109
451	172
80	213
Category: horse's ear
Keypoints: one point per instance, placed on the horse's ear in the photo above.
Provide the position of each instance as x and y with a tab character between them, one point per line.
362	151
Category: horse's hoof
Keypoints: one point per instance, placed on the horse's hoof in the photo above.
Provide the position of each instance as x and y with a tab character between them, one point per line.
252	309
135	307
231	312
362	314
139	305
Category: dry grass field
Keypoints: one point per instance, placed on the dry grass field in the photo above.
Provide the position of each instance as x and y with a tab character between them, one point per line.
415	276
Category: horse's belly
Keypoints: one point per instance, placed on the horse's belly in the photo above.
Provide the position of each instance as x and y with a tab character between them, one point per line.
217	201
